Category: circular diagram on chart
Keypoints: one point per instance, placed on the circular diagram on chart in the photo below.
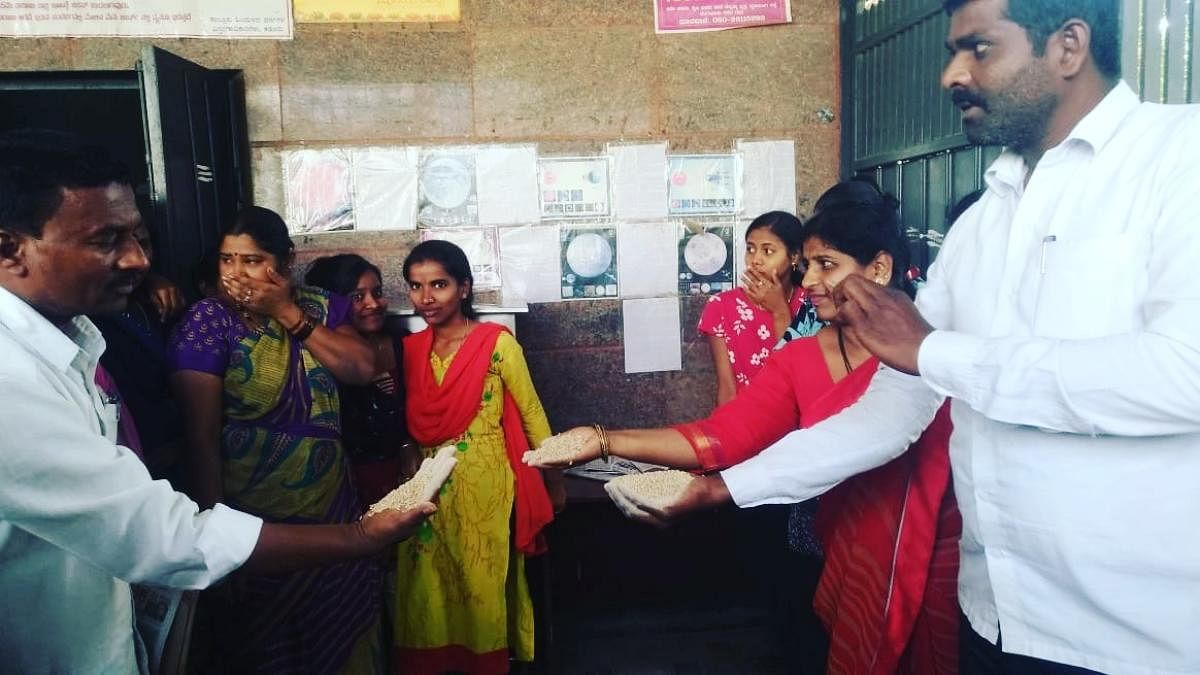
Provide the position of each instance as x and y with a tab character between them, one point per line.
446	181
705	254
589	255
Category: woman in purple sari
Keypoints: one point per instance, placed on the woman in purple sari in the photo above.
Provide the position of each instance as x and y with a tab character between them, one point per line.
256	371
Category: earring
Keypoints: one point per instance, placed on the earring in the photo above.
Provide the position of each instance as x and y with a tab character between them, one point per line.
880	281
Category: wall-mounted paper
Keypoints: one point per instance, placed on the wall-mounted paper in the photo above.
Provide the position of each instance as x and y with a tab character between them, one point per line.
639	181
385	188
644	267
482	247
574	187
317	186
529	264
700	184
448	194
507	180
589	261
739	250
706	257
652	341
768	178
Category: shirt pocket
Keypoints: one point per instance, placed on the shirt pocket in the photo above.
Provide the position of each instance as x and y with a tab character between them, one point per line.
1089	286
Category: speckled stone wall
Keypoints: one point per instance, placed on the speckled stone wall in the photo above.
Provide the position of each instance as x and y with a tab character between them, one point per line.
569	75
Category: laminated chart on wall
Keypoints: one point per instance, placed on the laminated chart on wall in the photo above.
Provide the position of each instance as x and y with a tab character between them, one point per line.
482	246
574	187
447	195
706	256
589	261
506	176
767	174
529	264
385	188
318	195
702	184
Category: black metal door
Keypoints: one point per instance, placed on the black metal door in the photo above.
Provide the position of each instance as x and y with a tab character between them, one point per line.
196	151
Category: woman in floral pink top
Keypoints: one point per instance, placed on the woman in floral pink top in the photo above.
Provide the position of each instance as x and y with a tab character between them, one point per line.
744	325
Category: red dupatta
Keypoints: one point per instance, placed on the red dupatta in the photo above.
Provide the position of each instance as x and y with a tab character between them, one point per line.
888	591
440	413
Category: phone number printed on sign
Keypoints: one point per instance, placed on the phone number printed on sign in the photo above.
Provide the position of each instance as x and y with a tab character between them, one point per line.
690	16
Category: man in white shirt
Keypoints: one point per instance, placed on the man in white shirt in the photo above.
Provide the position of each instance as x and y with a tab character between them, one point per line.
80	518
1062	318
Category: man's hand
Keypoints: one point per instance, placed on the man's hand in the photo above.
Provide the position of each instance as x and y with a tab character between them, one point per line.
881	319
700	494
164	296
388	526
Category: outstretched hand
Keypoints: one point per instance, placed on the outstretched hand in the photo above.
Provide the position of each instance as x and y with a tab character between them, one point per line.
561	451
882	319
166	298
389	526
699	494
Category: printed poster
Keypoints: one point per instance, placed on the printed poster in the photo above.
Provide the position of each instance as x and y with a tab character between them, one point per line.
573	187
229	19
706	258
482	246
702	184
370	11
690	16
589	262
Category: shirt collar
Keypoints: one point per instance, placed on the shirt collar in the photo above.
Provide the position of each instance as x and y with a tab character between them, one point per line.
78	339
1094	131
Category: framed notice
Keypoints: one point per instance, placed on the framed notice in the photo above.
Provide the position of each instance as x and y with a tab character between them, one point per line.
589	262
701	184
370	11
573	187
706	258
690	16
229	19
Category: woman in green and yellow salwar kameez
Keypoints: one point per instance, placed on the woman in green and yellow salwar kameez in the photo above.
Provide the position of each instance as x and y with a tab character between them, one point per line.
462	601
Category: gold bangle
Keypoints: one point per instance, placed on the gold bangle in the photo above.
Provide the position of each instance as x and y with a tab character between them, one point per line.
602	434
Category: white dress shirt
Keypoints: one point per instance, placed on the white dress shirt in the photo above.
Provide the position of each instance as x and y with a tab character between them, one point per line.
80	518
1068	317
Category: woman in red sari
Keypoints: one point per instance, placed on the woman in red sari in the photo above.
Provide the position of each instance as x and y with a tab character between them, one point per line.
887	594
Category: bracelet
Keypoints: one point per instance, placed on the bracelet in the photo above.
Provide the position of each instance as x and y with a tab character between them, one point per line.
602	434
304	329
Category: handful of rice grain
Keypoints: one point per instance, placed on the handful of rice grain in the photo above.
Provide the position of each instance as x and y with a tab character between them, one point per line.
422	487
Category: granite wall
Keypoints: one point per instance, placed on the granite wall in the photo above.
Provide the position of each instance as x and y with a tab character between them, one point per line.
569	75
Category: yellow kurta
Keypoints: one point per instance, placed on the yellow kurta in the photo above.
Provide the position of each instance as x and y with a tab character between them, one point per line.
460	582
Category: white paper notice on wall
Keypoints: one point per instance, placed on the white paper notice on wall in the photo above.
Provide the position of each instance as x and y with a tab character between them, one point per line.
639	181
385	188
646	265
768	176
228	19
529	264
506	176
652	341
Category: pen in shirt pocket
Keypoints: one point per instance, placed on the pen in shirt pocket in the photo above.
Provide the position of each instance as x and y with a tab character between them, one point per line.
1046	240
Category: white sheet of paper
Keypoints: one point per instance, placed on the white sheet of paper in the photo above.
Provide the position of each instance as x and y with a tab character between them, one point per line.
639	181
506	176
385	188
482	247
529	264
739	250
768	176
647	263
652	341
